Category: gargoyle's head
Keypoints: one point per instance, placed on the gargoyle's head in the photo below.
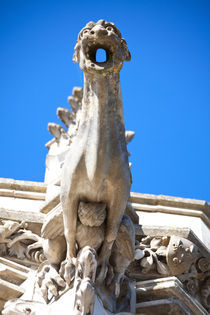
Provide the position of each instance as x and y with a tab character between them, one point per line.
101	35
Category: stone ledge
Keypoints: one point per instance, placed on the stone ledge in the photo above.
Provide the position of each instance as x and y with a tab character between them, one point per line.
169	201
22	194
8	262
11	274
19	215
152	293
9	290
12	184
143	202
52	203
172	210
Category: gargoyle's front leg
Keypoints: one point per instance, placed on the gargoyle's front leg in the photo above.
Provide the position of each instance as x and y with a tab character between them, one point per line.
114	218
48	279
70	207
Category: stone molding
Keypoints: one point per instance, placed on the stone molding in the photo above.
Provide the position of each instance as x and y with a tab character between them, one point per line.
12	184
22	189
165	295
171	205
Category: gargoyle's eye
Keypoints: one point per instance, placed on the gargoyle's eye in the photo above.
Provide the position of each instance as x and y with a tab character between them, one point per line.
85	31
109	28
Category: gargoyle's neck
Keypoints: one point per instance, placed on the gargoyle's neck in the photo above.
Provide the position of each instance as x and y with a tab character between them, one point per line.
102	121
102	94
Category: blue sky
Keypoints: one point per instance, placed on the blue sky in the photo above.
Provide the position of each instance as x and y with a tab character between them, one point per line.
165	86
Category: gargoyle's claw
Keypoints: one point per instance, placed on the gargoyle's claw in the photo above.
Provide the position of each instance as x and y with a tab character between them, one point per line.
49	281
67	270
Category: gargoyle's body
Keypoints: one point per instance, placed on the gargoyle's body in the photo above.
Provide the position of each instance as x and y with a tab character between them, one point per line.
96	168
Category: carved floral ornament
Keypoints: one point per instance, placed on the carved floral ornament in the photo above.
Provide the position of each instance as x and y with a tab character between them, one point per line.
17	241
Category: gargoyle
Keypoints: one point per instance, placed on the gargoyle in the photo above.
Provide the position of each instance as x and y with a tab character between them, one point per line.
96	168
95	183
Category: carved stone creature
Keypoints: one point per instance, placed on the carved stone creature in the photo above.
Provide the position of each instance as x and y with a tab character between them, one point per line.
85	296
84	281
95	183
87	235
96	168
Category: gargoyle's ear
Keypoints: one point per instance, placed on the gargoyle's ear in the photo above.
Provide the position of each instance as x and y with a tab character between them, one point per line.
76	53
126	52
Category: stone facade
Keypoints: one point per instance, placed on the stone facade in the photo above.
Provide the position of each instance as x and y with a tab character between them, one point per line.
184	291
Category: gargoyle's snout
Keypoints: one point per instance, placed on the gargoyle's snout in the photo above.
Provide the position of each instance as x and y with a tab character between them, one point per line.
99	31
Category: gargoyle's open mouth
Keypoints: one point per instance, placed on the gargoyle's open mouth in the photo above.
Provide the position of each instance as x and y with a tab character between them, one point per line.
99	54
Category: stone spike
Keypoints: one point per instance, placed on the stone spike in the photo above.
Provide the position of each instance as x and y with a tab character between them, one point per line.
78	93
66	116
129	135
56	130
74	103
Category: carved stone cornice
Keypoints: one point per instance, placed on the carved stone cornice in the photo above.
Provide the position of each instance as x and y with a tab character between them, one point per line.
171	205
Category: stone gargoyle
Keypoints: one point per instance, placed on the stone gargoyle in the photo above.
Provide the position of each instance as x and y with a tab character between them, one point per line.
90	242
96	168
95	183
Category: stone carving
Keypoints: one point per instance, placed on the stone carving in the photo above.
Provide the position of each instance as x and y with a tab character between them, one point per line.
95	183
71	120
57	131
176	256
88	241
66	116
96	167
91	237
85	274
149	252
16	241
7	228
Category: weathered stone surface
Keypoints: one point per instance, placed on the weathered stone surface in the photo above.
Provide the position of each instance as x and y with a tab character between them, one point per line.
9	290
92	214
10	274
20	195
95	181
176	217
99	143
20	185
